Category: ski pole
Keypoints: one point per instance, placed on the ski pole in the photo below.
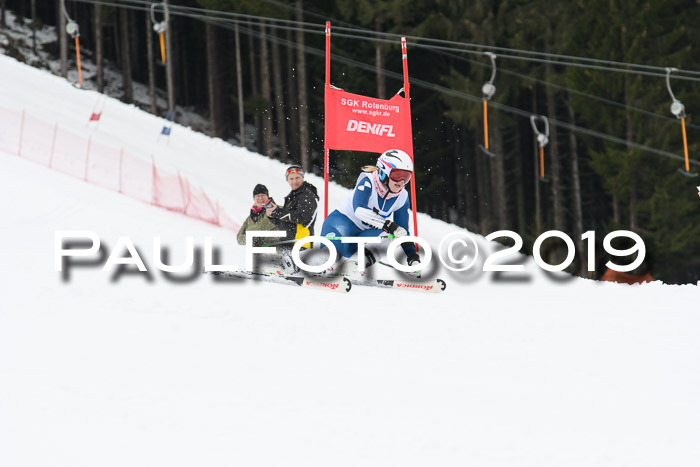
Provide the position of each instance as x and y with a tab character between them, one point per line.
287	242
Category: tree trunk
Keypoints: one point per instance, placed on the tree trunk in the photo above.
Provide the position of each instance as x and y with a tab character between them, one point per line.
559	217
576	191
256	92
467	170
538	192
460	173
33	24
134	46
151	66
116	42
303	107
127	85
62	38
239	82
182	77
518	177
483	191
379	63
538	200
266	94
99	49
499	209
633	189
169	60
212	73
293	103
280	113
3	7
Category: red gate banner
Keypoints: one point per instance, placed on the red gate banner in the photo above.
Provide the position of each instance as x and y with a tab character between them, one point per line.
360	123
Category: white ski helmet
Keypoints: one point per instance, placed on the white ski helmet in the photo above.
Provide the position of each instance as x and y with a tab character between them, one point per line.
396	165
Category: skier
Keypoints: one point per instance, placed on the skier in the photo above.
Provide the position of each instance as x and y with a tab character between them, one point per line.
379	193
257	220
298	214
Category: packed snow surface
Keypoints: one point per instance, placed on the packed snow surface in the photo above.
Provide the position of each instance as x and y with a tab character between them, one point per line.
107	369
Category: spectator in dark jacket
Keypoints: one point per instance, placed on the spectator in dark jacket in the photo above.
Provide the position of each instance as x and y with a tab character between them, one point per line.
298	213
257	220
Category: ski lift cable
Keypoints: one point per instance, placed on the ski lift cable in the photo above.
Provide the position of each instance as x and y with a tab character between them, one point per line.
564	88
218	21
365	31
475	99
438	88
546	83
209	12
459	46
519	51
65	11
71	26
159	26
314	29
530	59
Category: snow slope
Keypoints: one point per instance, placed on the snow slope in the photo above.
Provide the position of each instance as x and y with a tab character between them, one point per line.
98	370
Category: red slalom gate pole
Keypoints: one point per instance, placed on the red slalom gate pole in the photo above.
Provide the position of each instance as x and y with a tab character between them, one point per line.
325	146
404	58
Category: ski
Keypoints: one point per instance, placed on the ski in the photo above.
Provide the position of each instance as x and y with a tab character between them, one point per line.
337	282
359	279
432	286
330	284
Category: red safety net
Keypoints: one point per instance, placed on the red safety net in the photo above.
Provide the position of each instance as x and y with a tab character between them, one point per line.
38	149
49	145
136	178
10	128
200	206
168	191
103	166
70	153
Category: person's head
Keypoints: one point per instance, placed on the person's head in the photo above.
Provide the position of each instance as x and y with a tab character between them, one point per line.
395	169
260	195
295	176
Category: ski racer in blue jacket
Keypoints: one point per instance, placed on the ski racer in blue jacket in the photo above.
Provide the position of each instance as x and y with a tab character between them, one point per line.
379	194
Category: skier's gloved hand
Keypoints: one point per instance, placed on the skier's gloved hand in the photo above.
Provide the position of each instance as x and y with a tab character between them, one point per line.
394	229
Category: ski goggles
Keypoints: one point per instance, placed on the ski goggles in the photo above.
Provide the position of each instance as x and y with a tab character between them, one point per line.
400	175
294	170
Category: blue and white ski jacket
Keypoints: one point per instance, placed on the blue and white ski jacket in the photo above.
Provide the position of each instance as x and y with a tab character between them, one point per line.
360	207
